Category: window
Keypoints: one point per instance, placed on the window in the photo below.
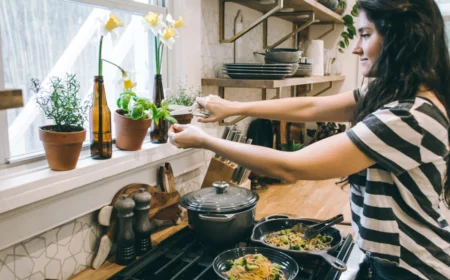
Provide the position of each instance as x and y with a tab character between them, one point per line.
44	38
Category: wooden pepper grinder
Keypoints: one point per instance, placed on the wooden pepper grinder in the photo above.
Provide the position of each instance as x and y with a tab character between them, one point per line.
125	239
142	225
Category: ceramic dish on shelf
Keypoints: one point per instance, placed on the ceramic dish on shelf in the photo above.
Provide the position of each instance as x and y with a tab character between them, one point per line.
257	76
257	65
258	68
303	72
260	71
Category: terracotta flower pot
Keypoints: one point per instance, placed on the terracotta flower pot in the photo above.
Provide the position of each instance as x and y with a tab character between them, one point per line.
184	119
130	133
62	149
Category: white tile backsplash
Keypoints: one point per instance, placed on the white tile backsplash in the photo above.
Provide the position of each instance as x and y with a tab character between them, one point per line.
66	250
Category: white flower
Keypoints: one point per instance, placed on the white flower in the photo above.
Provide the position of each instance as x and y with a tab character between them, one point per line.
108	25
167	36
153	22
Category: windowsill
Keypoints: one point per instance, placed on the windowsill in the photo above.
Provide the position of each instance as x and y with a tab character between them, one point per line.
28	183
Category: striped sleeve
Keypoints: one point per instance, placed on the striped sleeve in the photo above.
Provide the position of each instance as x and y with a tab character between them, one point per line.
392	137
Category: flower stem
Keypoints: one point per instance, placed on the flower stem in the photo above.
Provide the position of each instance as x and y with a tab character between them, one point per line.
120	68
100	64
157	56
161	47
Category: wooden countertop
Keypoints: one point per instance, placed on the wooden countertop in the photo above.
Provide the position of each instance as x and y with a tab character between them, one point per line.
308	199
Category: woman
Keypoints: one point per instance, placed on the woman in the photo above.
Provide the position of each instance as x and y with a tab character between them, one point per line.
395	154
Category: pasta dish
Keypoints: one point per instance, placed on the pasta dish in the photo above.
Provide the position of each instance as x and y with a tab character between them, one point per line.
253	267
292	240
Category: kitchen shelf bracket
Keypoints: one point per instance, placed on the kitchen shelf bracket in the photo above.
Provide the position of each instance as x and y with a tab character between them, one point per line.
330	85
240	118
244	31
311	20
333	27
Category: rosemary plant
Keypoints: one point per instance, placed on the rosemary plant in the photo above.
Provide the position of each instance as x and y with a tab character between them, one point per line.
61	103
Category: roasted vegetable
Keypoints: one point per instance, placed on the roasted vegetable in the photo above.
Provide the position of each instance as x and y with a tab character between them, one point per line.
229	264
249	267
240	261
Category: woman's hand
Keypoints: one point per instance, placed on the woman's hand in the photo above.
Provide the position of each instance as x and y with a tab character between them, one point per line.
218	108
187	136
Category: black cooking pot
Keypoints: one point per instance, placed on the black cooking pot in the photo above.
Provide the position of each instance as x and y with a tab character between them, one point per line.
221	215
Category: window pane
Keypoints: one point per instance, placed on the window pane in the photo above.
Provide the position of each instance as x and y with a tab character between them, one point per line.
42	38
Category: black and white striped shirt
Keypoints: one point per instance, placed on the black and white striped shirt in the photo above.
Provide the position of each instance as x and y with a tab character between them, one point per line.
395	203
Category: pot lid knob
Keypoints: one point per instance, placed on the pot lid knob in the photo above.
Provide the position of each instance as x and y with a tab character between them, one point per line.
220	186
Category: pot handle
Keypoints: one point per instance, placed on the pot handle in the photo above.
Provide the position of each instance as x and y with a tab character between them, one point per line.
218	219
334	262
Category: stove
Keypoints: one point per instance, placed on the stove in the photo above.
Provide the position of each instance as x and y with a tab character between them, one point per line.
183	257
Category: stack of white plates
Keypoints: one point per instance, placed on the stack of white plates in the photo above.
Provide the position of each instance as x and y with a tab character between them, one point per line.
258	71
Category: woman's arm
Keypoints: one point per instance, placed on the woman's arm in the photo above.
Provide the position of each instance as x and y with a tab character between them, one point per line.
332	157
335	108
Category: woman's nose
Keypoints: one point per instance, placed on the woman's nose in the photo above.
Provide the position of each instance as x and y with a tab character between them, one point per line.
357	49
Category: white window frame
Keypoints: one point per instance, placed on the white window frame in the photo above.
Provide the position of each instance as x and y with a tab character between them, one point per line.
130	6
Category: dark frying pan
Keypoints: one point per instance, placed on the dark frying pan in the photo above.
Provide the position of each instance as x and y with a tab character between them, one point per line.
279	222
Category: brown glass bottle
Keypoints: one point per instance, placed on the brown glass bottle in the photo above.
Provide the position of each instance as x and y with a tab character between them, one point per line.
100	123
158	132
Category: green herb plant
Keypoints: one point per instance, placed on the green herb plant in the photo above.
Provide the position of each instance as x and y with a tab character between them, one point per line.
185	96
162	113
291	146
350	30
342	6
137	108
61	103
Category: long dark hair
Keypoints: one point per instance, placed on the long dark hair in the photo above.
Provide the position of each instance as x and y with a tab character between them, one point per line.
414	53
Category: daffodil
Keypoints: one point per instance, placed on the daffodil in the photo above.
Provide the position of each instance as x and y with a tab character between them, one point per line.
167	36
127	77
153	22
107	26
179	23
175	23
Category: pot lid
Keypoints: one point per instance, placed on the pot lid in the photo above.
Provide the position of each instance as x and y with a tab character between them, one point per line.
220	198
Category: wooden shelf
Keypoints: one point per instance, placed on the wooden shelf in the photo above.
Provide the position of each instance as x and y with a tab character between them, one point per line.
241	83
322	13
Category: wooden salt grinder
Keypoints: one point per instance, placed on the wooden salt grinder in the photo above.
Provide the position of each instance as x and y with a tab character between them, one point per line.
125	240
142	225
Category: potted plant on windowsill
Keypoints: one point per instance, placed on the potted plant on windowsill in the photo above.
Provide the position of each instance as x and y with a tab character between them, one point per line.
184	97
132	120
162	114
62	140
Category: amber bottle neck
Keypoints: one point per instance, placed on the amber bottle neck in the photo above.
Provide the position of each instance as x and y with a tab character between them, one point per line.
99	86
